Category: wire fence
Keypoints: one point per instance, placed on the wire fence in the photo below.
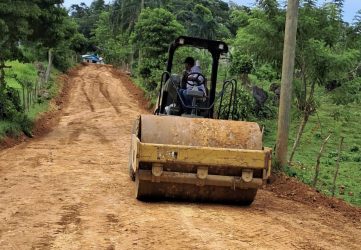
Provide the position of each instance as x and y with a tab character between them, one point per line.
28	96
31	92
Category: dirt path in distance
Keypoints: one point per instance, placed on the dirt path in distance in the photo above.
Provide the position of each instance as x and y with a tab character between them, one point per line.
70	190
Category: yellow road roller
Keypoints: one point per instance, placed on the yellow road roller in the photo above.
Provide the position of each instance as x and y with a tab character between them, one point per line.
185	151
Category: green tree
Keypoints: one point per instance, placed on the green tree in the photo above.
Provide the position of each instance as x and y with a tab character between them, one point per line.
203	24
125	13
115	48
23	23
155	29
25	13
199	16
239	18
53	28
153	32
321	55
82	15
87	16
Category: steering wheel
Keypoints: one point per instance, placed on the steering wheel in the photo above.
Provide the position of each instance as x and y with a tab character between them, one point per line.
197	81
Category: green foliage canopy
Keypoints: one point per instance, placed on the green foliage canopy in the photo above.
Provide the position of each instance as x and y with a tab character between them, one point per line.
155	29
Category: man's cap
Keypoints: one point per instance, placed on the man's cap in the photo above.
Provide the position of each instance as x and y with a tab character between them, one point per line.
189	60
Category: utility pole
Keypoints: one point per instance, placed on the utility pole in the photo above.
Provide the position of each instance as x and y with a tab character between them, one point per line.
288	66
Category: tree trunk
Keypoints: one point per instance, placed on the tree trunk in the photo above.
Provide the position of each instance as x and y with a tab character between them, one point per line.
24	99
301	128
317	168
122	14
2	76
139	58
337	167
48	69
245	81
288	66
74	58
28	100
34	97
131	60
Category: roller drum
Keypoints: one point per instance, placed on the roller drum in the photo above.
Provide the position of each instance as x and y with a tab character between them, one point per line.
201	132
175	130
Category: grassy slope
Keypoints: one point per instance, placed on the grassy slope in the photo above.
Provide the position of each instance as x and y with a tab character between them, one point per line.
316	130
25	71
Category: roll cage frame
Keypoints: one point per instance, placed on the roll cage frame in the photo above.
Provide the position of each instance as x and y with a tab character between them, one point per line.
215	48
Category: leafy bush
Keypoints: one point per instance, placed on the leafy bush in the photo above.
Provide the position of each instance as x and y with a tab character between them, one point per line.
24	122
150	72
357	159
13	96
318	135
349	92
354	149
334	155
62	58
290	171
340	114
145	72
243	108
266	72
10	103
12	111
241	64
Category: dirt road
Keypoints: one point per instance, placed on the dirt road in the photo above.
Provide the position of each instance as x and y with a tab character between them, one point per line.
70	190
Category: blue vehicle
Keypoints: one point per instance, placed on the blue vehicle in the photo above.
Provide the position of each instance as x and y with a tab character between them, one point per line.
93	58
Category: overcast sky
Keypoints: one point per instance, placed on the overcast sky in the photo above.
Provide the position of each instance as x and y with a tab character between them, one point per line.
350	8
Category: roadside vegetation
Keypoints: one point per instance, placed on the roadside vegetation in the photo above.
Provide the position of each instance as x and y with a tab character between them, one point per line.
33	102
38	40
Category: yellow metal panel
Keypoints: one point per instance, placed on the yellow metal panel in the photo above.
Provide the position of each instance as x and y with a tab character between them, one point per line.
253	159
211	180
134	153
269	162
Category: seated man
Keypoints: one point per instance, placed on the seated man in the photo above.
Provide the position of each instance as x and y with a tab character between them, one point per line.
191	79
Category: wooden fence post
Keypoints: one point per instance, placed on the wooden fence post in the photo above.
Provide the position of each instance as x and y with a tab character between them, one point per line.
337	167
317	168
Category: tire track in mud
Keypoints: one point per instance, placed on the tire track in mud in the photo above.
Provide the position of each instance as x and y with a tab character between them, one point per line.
89	101
104	90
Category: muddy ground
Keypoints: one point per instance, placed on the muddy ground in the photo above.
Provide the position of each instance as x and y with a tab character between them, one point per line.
69	189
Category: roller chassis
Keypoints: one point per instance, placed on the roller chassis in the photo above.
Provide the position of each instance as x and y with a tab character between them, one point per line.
165	171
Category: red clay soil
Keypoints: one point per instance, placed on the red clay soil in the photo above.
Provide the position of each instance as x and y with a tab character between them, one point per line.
143	102
70	189
292	189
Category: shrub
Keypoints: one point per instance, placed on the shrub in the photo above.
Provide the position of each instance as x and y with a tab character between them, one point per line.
357	159
243	106
241	64
354	149
266	72
10	103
